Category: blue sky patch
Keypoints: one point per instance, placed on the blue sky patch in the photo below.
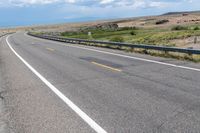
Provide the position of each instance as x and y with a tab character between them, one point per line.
33	12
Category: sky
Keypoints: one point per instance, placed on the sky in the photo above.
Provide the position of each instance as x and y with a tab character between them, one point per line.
35	12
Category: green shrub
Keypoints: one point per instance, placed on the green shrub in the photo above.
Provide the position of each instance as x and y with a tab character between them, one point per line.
196	28
69	33
179	27
133	33
117	39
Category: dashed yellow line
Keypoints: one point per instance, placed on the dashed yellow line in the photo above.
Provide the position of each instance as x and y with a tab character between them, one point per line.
108	67
50	49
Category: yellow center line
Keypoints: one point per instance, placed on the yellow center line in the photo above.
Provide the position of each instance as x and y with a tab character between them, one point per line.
108	67
50	49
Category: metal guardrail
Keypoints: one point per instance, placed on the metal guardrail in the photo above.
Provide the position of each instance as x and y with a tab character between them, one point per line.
117	44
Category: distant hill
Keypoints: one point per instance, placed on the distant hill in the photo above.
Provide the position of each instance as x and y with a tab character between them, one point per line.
184	12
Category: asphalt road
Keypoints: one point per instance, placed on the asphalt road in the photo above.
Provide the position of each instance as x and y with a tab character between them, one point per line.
120	92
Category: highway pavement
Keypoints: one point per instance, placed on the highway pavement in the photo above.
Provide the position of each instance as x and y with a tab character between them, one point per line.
54	87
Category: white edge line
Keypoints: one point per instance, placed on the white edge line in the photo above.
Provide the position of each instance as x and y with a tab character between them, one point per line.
126	56
135	58
74	107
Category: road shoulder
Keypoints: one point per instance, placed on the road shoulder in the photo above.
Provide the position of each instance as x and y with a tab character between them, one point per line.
30	105
4	127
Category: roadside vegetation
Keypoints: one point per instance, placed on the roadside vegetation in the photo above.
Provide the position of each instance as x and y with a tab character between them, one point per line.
135	35
151	36
138	35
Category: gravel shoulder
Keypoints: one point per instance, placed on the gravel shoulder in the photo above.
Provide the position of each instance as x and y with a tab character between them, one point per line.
4	127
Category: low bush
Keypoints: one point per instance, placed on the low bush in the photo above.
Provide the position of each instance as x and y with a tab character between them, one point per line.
196	28
179	27
133	33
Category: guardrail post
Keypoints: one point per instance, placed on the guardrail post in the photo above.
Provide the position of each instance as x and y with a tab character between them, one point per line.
132	49
166	52
119	47
190	54
145	51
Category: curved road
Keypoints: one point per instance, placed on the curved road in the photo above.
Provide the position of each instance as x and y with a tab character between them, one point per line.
120	92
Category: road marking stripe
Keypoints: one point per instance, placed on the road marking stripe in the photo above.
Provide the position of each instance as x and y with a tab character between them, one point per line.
135	58
50	49
74	107
108	67
125	56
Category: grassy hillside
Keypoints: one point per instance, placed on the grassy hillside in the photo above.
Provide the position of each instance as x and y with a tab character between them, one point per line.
152	36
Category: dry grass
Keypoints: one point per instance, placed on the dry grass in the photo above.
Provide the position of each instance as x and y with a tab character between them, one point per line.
174	55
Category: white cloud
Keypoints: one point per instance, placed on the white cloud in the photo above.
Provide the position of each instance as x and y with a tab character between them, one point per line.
97	3
158	4
106	1
137	3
